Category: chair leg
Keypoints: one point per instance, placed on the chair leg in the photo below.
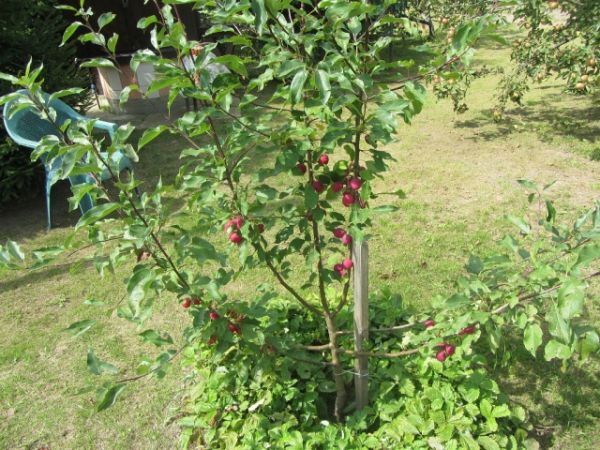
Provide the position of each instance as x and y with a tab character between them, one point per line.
48	209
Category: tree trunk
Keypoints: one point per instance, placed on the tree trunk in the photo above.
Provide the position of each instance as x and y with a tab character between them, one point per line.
340	387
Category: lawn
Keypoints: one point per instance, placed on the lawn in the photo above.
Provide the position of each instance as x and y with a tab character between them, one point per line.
459	173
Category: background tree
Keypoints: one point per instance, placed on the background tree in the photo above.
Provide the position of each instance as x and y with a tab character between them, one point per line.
562	40
33	29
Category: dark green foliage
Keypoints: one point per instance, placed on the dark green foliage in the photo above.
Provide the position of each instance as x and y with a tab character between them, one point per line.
18	174
32	29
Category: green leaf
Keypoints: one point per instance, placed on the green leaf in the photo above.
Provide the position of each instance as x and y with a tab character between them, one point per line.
111	44
109	396
105	19
570	299
145	22
555	349
64	93
417	95
297	86
153	337
557	325
78	328
322	83
520	223
488	443
501	411
532	338
457	301
527	184
93	302
96	213
486	408
551	212
385	209
260	15
265	192
288	67
588	345
233	62
72	28
138	283
311	198
15	251
98	367
475	264
399	193
587	254
99	62
10	78
150	134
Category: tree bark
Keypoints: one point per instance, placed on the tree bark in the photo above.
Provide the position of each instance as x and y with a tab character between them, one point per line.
340	387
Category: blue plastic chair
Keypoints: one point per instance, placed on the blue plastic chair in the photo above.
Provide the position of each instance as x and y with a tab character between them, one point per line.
27	128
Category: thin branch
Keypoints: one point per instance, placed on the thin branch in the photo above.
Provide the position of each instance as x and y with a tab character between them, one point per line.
525	297
403	83
317	243
344	299
217	141
382	354
94	244
289	288
385	329
156	369
141	217
238	120
317	348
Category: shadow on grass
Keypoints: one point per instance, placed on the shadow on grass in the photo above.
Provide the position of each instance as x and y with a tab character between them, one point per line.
548	117
26	218
555	400
39	276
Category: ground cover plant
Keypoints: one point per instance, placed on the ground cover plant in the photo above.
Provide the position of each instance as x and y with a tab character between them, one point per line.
534	272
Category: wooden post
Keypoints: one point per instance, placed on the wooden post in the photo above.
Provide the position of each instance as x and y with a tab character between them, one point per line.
360	257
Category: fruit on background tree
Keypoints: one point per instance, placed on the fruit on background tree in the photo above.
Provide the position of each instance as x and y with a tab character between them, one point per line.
561	39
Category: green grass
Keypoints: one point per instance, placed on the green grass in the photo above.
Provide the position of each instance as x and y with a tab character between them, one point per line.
459	172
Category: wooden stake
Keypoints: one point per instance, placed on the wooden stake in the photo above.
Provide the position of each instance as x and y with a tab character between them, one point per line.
360	257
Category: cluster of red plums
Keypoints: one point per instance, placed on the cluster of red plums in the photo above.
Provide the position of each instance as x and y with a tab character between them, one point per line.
232	323
445	349
350	185
233	227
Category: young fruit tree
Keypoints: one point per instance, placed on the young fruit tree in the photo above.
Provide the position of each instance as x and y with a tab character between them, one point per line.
278	182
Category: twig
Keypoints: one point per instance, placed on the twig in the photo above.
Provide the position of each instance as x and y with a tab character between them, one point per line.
384	330
150	372
382	354
289	288
317	348
525	297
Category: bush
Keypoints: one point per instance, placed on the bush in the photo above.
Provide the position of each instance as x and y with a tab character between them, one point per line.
18	174
263	390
